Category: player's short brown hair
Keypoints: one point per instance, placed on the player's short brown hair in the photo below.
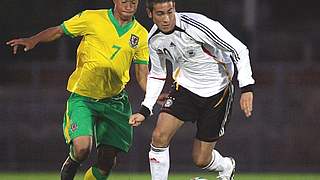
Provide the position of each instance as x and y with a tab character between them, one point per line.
151	3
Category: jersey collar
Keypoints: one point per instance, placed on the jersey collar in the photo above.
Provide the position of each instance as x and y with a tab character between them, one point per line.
121	30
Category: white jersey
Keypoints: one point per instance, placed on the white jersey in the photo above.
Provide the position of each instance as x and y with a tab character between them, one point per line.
202	53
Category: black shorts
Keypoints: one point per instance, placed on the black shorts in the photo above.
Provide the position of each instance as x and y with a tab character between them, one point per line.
211	114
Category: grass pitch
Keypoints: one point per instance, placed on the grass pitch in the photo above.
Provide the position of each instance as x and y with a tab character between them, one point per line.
173	176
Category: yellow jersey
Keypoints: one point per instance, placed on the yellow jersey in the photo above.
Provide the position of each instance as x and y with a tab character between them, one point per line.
105	52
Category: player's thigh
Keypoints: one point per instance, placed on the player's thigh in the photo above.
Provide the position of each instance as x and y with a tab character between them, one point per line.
202	150
166	127
214	119
78	119
182	104
112	127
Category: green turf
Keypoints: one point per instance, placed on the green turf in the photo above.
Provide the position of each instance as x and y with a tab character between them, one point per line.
176	176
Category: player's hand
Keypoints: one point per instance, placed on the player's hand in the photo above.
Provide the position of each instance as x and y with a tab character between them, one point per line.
246	100
27	43
136	119
162	98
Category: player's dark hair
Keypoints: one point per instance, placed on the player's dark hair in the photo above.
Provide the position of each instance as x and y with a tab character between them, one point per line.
151	3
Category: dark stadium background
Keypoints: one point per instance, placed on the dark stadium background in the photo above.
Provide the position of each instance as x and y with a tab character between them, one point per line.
282	135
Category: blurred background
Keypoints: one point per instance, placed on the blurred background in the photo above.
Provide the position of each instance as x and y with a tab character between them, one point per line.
281	136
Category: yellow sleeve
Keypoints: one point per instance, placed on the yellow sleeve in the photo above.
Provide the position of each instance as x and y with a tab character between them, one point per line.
142	53
77	25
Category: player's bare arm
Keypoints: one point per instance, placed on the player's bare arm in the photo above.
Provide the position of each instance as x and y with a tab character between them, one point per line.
246	100
47	35
142	71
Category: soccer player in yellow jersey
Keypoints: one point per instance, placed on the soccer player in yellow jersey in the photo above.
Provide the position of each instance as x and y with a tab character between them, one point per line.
98	105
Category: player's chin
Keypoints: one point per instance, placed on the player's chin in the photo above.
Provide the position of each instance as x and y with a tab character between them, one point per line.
165	29
127	15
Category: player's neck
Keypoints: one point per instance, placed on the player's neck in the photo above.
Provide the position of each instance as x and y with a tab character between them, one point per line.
123	22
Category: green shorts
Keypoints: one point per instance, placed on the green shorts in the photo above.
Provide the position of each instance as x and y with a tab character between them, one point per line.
105	119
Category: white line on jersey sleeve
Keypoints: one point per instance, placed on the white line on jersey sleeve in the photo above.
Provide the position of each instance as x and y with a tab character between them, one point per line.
214	34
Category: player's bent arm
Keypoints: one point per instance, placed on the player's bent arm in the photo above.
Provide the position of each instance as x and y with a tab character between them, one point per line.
214	34
47	35
142	71
153	90
155	82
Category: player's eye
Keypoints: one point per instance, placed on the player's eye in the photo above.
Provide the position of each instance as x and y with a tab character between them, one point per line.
170	11
159	13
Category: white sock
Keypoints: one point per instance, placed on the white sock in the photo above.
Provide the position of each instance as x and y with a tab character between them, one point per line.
159	163
217	163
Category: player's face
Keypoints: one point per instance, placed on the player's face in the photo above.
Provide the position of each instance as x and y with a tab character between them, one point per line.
163	15
125	9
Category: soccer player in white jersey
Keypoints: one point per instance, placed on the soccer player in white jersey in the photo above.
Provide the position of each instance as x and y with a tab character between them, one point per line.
203	55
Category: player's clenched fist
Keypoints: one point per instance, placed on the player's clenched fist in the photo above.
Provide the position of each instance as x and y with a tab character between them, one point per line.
136	119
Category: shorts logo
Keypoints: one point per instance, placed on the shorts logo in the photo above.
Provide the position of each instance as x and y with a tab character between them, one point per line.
168	102
134	40
154	160
74	127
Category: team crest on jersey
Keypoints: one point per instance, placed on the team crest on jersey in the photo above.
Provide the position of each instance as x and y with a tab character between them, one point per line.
134	40
74	127
191	53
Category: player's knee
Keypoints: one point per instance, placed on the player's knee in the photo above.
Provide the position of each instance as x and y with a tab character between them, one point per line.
81	152
200	160
159	139
82	147
106	158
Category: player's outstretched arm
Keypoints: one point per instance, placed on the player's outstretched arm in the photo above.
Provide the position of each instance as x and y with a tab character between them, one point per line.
47	35
246	103
136	119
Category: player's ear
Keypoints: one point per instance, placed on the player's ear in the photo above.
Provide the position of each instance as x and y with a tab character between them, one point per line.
149	13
